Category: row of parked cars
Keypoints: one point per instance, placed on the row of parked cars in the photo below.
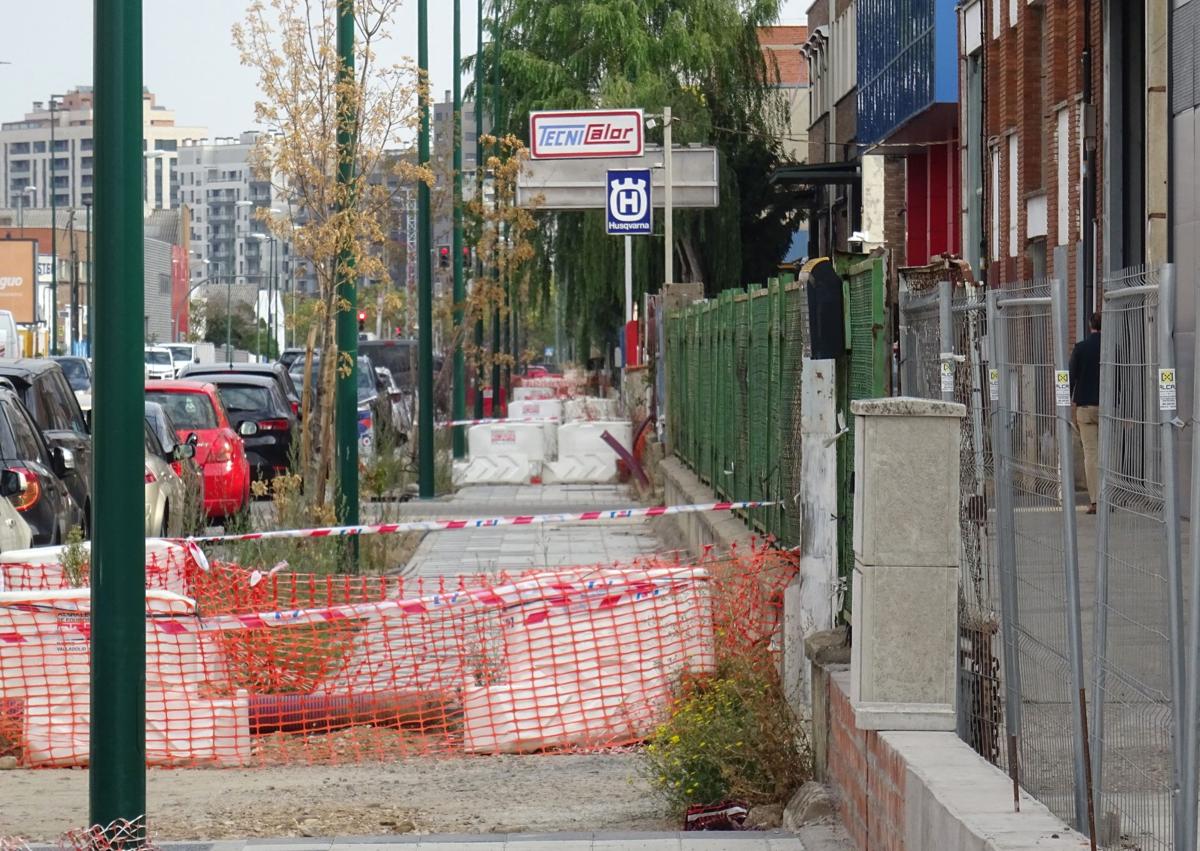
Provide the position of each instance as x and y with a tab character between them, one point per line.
216	426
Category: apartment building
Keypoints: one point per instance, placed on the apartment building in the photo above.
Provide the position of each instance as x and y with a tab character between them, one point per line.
48	154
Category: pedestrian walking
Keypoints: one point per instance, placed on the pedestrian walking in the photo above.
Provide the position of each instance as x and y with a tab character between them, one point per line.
1085	403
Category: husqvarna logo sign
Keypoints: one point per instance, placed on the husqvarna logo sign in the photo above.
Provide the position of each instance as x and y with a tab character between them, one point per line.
590	133
629	203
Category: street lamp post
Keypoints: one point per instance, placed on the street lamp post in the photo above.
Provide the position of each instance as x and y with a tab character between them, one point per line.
53	233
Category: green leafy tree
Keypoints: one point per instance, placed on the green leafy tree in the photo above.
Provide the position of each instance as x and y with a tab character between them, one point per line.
700	57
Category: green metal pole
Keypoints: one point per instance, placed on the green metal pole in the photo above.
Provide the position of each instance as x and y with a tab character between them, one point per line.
478	268
347	319
117	767
496	342
54	241
229	318
91	292
460	292
425	402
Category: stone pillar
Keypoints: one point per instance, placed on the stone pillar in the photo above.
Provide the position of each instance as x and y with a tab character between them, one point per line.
906	554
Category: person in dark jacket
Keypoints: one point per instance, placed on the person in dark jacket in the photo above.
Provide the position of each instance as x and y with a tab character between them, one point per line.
1085	403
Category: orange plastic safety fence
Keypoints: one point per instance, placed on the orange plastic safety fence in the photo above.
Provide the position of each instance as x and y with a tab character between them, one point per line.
250	668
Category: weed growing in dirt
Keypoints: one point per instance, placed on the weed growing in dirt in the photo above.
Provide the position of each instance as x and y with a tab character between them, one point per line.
76	559
729	736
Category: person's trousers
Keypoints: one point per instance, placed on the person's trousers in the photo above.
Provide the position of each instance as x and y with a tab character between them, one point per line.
1088	418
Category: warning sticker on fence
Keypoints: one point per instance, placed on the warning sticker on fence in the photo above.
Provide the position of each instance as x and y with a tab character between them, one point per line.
1166	389
947	376
994	384
1062	388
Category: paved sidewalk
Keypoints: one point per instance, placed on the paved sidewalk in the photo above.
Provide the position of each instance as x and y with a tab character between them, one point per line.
524	547
699	841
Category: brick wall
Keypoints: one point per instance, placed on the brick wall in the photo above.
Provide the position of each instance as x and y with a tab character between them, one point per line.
1033	71
868	779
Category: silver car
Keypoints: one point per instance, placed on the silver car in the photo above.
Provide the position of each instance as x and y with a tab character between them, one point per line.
164	489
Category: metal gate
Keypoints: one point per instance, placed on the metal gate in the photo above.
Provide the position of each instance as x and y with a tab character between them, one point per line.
1136	730
1037	546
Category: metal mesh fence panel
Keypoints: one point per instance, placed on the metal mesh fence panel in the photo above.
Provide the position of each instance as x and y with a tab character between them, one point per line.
1138	612
921	343
1043	649
980	684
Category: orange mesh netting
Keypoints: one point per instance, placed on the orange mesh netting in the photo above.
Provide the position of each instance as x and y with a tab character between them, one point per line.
247	668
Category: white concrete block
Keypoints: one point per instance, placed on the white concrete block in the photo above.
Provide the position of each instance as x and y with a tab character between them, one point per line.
590	408
512	469
581	469
526	439
522	394
584	438
902	659
543	409
905	449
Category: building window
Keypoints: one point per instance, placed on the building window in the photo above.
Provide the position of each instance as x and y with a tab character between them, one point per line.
166	145
995	18
39	147
85	144
18	148
164	283
1013	173
1062	145
61	145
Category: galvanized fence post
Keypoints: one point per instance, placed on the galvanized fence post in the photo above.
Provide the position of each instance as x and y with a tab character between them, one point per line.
1000	395
946	353
1169	428
1070	541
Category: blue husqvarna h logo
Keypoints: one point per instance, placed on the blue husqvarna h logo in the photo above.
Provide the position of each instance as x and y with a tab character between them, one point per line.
629	203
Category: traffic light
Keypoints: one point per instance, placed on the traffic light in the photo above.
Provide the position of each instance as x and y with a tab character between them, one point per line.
443	256
362	320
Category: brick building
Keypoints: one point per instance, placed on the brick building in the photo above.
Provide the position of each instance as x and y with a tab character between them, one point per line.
1025	130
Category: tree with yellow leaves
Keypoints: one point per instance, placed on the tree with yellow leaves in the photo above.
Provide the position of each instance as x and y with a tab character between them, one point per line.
291	44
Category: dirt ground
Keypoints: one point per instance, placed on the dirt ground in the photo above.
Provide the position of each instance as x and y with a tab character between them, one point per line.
505	794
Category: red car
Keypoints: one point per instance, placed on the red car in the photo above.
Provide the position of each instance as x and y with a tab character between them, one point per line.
196	409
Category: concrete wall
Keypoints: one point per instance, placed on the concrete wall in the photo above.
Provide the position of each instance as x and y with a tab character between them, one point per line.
917	791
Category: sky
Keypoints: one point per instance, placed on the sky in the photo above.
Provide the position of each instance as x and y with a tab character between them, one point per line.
189	61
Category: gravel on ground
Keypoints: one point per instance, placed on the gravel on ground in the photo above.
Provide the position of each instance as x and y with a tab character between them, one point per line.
500	794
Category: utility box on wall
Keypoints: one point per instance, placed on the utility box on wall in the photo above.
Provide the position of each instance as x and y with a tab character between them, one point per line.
906	563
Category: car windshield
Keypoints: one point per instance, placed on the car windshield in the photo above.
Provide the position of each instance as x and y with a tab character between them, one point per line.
244	398
180	352
162	427
77	373
366	377
188	410
158	357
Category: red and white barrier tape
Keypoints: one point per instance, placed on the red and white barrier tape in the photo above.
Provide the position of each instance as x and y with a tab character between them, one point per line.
484	522
498	421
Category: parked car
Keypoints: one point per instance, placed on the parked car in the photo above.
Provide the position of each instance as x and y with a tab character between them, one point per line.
290	356
79	375
164	489
15	533
196	409
159	363
46	394
255	399
275	371
10	342
168	436
38	492
375	408
403	402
